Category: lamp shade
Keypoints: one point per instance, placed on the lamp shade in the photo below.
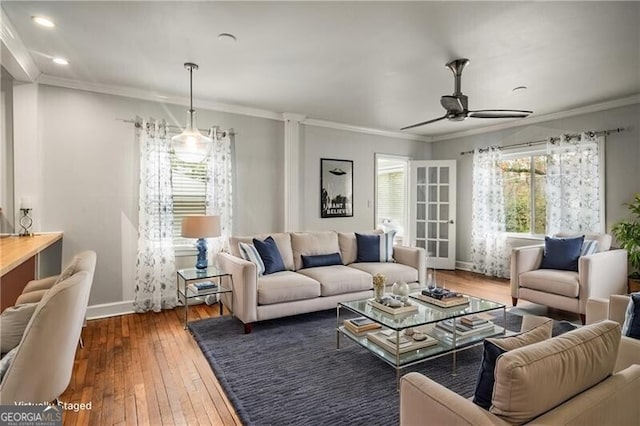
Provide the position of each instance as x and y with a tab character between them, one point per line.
201	226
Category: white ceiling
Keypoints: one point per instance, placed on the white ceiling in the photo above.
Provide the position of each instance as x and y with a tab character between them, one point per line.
371	64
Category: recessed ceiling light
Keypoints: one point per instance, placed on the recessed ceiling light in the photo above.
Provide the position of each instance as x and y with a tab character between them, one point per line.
519	89
227	38
45	22
60	61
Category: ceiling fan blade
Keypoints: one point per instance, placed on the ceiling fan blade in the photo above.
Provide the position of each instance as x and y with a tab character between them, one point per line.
499	113
424	122
452	103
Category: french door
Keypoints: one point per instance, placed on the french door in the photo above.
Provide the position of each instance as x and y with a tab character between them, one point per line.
433	211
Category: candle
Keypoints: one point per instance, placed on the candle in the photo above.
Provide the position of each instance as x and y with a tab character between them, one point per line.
26	203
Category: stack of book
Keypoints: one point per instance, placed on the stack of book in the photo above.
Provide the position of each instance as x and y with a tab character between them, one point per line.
387	341
468	327
394	310
360	325
202	287
446	302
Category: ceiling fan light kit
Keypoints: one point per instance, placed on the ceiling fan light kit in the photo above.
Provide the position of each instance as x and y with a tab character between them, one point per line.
457	105
191	145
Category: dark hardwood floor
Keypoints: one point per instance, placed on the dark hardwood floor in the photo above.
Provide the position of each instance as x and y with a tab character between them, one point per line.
146	369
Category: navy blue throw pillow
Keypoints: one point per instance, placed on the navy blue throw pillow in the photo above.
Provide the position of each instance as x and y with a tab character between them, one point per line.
562	253
631	326
368	248
486	378
268	251
321	260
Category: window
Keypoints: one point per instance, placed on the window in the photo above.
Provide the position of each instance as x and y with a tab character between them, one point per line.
391	194
189	185
525	204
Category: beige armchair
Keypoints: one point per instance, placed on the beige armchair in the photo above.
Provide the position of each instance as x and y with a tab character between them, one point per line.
41	367
599	275
614	309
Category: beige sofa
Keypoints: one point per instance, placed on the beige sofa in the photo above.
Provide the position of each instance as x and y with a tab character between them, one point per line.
614	308
565	380
599	275
300	290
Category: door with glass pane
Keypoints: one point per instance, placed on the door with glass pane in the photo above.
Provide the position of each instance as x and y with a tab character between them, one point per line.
433	211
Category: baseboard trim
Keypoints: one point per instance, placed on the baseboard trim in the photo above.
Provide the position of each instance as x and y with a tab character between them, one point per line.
464	266
107	310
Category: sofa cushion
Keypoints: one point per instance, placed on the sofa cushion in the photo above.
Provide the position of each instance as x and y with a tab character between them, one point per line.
495	347
283	241
564	283
589	247
631	326
562	253
339	279
536	378
375	248
270	255
250	253
13	322
286	286
321	260
393	272
349	245
312	243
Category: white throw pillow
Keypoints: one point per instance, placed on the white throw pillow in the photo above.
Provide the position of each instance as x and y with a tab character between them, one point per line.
249	252
13	321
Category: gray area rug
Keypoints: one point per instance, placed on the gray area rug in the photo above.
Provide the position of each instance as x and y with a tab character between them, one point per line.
288	371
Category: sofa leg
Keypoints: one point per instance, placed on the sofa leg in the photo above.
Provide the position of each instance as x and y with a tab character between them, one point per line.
583	319
514	301
248	328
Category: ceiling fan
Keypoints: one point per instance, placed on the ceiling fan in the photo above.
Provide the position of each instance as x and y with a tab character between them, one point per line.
457	105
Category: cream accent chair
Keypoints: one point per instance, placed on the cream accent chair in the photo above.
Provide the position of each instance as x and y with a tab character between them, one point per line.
36	289
42	365
599	275
614	309
554	382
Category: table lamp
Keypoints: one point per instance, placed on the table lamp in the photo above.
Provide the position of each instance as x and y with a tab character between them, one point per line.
201	227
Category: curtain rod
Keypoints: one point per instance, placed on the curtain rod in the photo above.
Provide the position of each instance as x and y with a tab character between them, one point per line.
138	125
552	139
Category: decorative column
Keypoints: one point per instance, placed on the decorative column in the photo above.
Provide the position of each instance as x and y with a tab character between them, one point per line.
292	170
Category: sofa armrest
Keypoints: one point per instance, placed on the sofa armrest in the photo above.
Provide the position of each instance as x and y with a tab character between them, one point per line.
524	259
414	257
41	284
423	401
628	353
245	286
601	275
597	310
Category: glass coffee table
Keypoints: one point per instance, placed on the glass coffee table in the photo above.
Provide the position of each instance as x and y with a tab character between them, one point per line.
389	341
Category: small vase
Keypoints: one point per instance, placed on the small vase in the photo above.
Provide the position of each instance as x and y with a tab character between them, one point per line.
378	292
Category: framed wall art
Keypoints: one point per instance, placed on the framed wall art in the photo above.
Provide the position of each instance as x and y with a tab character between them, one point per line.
336	188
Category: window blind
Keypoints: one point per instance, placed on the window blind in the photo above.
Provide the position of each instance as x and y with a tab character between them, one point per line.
189	185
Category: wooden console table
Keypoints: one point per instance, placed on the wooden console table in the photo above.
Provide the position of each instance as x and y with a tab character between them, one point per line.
19	258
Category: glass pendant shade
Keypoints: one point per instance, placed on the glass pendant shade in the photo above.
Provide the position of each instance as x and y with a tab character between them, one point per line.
191	145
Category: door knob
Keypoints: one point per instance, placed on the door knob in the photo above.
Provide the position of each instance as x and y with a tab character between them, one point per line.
451	221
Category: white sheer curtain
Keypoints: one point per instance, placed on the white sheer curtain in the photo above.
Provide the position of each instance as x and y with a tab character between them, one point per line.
489	251
220	189
155	281
573	184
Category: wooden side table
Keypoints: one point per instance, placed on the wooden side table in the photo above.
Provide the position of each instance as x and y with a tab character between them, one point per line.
633	286
193	275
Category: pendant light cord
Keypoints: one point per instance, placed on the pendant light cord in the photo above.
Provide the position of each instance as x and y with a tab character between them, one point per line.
191	88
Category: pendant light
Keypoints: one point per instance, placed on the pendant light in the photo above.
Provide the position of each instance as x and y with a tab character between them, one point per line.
191	145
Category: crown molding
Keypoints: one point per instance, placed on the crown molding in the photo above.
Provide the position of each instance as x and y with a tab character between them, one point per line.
368	130
131	92
616	103
15	55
